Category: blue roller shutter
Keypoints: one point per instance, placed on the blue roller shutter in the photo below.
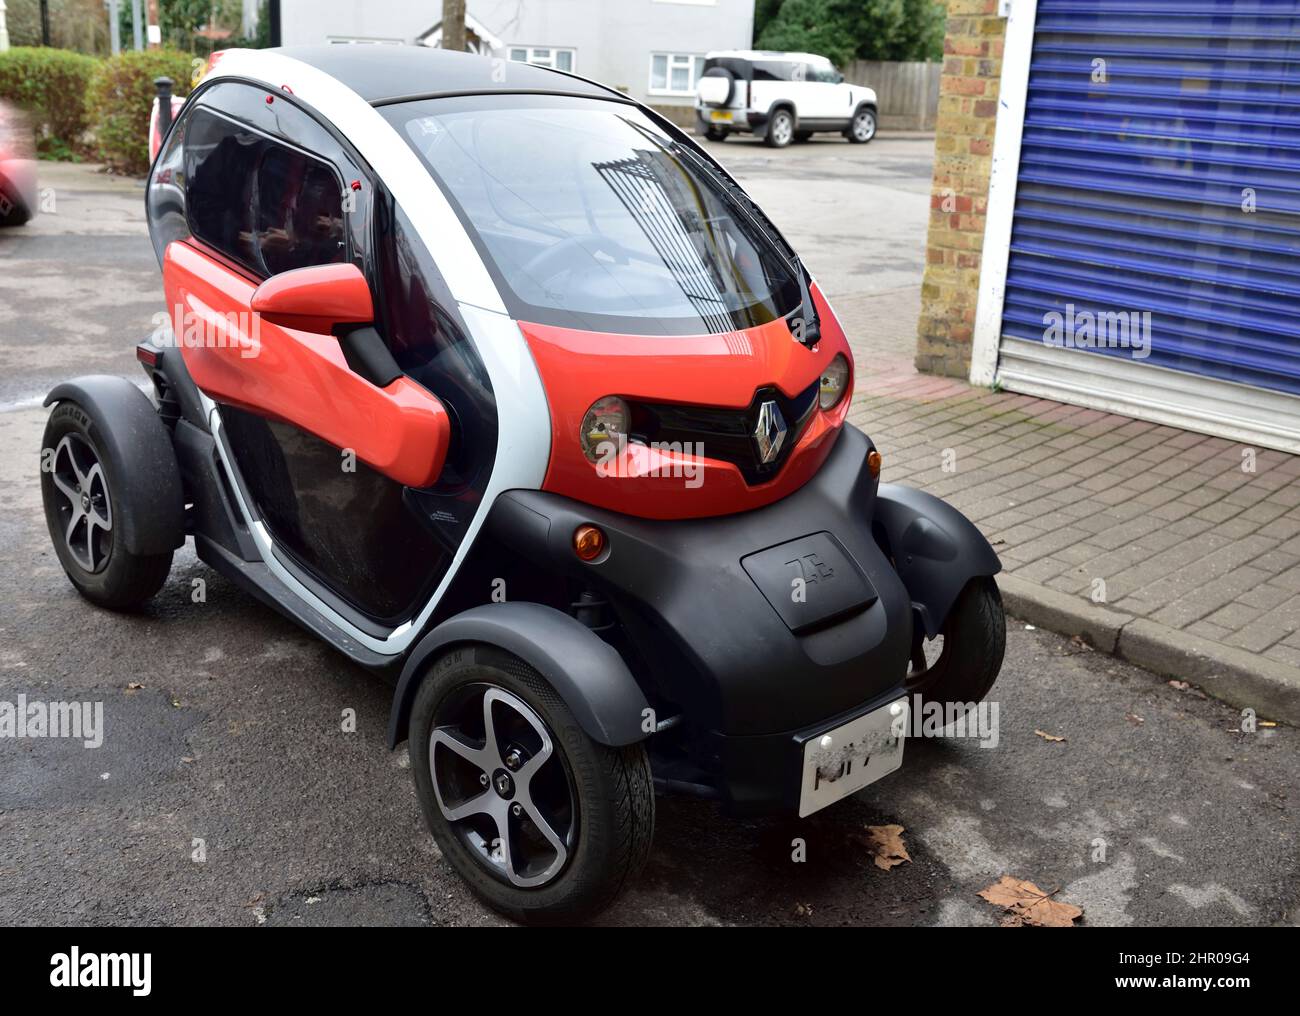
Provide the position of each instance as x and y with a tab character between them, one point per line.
1170	187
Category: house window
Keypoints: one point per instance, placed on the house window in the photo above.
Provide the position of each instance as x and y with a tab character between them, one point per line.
545	56
674	73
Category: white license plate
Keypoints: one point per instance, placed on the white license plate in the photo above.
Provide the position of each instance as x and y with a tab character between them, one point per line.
844	760
720	116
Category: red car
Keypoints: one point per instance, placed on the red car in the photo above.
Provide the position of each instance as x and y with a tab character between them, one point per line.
490	377
18	192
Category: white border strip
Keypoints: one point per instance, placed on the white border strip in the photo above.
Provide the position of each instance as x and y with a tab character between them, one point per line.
1013	95
1144	391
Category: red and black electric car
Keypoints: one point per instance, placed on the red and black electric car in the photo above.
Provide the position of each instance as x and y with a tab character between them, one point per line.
487	374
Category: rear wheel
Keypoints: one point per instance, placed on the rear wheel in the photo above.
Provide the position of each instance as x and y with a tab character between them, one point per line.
88	498
780	130
543	823
716	133
960	664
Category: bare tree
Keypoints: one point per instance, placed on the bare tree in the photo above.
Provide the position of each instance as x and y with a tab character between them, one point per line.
453	25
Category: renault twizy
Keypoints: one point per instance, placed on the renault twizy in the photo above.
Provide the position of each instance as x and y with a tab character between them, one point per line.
487	374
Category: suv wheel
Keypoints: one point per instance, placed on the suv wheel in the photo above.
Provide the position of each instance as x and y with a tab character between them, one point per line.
863	127
716	133
780	131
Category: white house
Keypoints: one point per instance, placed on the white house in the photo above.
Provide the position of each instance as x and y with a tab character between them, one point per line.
651	49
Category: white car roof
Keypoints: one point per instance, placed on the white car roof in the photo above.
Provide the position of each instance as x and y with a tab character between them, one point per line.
766	54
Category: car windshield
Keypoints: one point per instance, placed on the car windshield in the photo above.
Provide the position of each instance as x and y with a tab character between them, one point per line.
590	216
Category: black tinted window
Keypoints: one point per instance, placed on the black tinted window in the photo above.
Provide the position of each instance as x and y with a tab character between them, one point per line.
267	206
774	70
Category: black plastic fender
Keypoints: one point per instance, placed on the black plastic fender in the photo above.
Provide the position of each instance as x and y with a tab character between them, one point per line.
936	549
587	672
126	426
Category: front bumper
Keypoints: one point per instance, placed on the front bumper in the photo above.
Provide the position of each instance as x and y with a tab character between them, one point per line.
749	672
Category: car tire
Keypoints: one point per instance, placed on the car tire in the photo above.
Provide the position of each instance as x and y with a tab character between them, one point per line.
974	640
90	497
780	129
717	133
607	818
862	128
802	136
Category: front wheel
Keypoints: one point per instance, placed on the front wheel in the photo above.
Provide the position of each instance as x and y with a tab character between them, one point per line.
862	128
544	824
961	663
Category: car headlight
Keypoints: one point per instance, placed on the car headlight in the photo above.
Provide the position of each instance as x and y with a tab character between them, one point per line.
604	428
835	381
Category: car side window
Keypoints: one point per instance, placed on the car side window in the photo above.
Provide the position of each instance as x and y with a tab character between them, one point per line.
771	70
263	204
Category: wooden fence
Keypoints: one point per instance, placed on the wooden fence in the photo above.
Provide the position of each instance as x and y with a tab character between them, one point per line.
908	93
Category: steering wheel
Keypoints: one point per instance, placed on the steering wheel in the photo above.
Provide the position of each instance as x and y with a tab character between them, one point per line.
551	261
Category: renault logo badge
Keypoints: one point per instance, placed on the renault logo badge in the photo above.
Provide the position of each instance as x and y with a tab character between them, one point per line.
769	433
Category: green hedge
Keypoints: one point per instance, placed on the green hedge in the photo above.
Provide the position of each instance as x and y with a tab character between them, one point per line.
120	98
50	84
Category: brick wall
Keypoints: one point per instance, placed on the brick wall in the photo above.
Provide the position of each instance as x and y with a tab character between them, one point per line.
963	148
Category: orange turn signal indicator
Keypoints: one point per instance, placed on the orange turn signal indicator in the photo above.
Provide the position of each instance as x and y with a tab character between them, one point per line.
873	462
588	542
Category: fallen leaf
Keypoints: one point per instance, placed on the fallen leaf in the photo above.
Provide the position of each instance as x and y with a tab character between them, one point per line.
176	703
1135	719
802	910
1025	903
187	759
135	686
1048	737
885	844
1180	685
1082	643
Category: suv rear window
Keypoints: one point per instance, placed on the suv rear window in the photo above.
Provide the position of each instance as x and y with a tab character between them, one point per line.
589	216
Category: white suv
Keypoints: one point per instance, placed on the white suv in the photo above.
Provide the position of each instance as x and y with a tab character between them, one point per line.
780	97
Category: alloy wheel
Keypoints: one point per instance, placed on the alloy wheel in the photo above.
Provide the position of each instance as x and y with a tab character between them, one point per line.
783	128
502	784
864	126
86	515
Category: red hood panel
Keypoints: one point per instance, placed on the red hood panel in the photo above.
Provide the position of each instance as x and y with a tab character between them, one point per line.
725	370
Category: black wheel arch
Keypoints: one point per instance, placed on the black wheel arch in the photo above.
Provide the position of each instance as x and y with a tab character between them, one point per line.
786	104
126	426
587	673
936	550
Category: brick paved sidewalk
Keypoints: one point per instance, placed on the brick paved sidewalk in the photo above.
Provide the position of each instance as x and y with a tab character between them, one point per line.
1148	521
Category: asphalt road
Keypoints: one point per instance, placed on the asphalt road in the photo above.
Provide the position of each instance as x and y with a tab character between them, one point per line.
1154	810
